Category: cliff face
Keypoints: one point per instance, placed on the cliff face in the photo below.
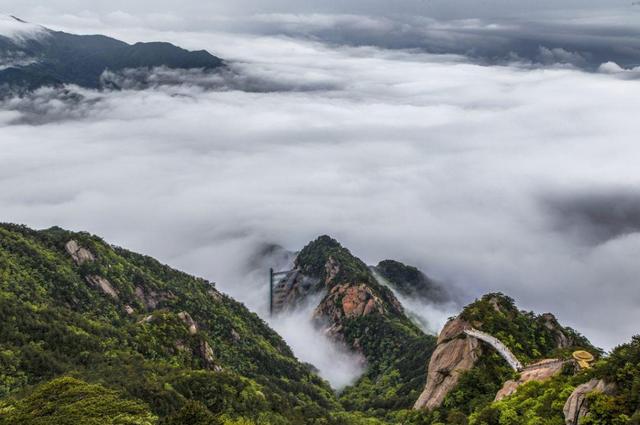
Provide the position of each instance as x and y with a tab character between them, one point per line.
351	290
366	317
455	354
344	302
577	406
526	336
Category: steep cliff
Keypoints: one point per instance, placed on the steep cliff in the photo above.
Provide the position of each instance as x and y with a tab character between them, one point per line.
455	354
464	372
577	406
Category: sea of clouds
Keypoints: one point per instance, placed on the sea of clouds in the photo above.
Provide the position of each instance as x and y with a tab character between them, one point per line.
514	178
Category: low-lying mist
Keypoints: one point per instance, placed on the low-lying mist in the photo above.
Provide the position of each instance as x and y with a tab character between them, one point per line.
250	283
334	362
430	316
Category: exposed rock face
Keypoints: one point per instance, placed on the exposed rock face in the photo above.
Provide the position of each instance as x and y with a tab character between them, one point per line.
150	298
347	301
235	336
188	320
215	294
539	371
455	354
551	323
206	354
576	406
103	284
332	268
292	290
80	255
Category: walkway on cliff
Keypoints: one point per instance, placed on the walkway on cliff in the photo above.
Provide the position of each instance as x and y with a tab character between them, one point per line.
498	345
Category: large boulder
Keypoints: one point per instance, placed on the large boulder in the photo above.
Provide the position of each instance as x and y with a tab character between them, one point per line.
79	254
103	284
559	334
191	324
455	354
576	406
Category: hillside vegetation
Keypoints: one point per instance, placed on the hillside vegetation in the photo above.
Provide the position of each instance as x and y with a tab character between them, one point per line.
154	335
94	334
368	318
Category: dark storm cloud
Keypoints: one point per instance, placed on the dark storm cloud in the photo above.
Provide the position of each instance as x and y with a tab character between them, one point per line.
583	34
596	216
489	41
441	9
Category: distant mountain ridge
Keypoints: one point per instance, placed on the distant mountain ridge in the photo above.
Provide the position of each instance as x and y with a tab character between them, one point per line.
32	56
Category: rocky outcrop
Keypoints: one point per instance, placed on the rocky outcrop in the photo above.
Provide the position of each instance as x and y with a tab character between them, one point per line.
191	324
539	371
346	301
559	336
455	354
205	352
103	284
79	254
150	298
331	268
576	406
215	294
292	290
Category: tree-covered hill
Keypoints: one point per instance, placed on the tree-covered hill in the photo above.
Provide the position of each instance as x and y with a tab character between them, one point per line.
34	56
411	282
367	317
546	402
73	305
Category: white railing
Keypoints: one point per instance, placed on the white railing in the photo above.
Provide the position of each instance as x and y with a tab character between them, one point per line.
498	345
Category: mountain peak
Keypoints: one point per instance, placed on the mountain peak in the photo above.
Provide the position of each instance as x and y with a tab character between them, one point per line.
40	57
316	258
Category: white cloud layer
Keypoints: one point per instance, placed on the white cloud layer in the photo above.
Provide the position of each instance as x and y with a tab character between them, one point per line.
16	30
427	159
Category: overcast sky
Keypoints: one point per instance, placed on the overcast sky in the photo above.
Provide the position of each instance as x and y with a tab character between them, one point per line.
520	177
436	8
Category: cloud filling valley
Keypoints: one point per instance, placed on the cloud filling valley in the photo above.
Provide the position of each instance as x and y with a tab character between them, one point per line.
512	178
